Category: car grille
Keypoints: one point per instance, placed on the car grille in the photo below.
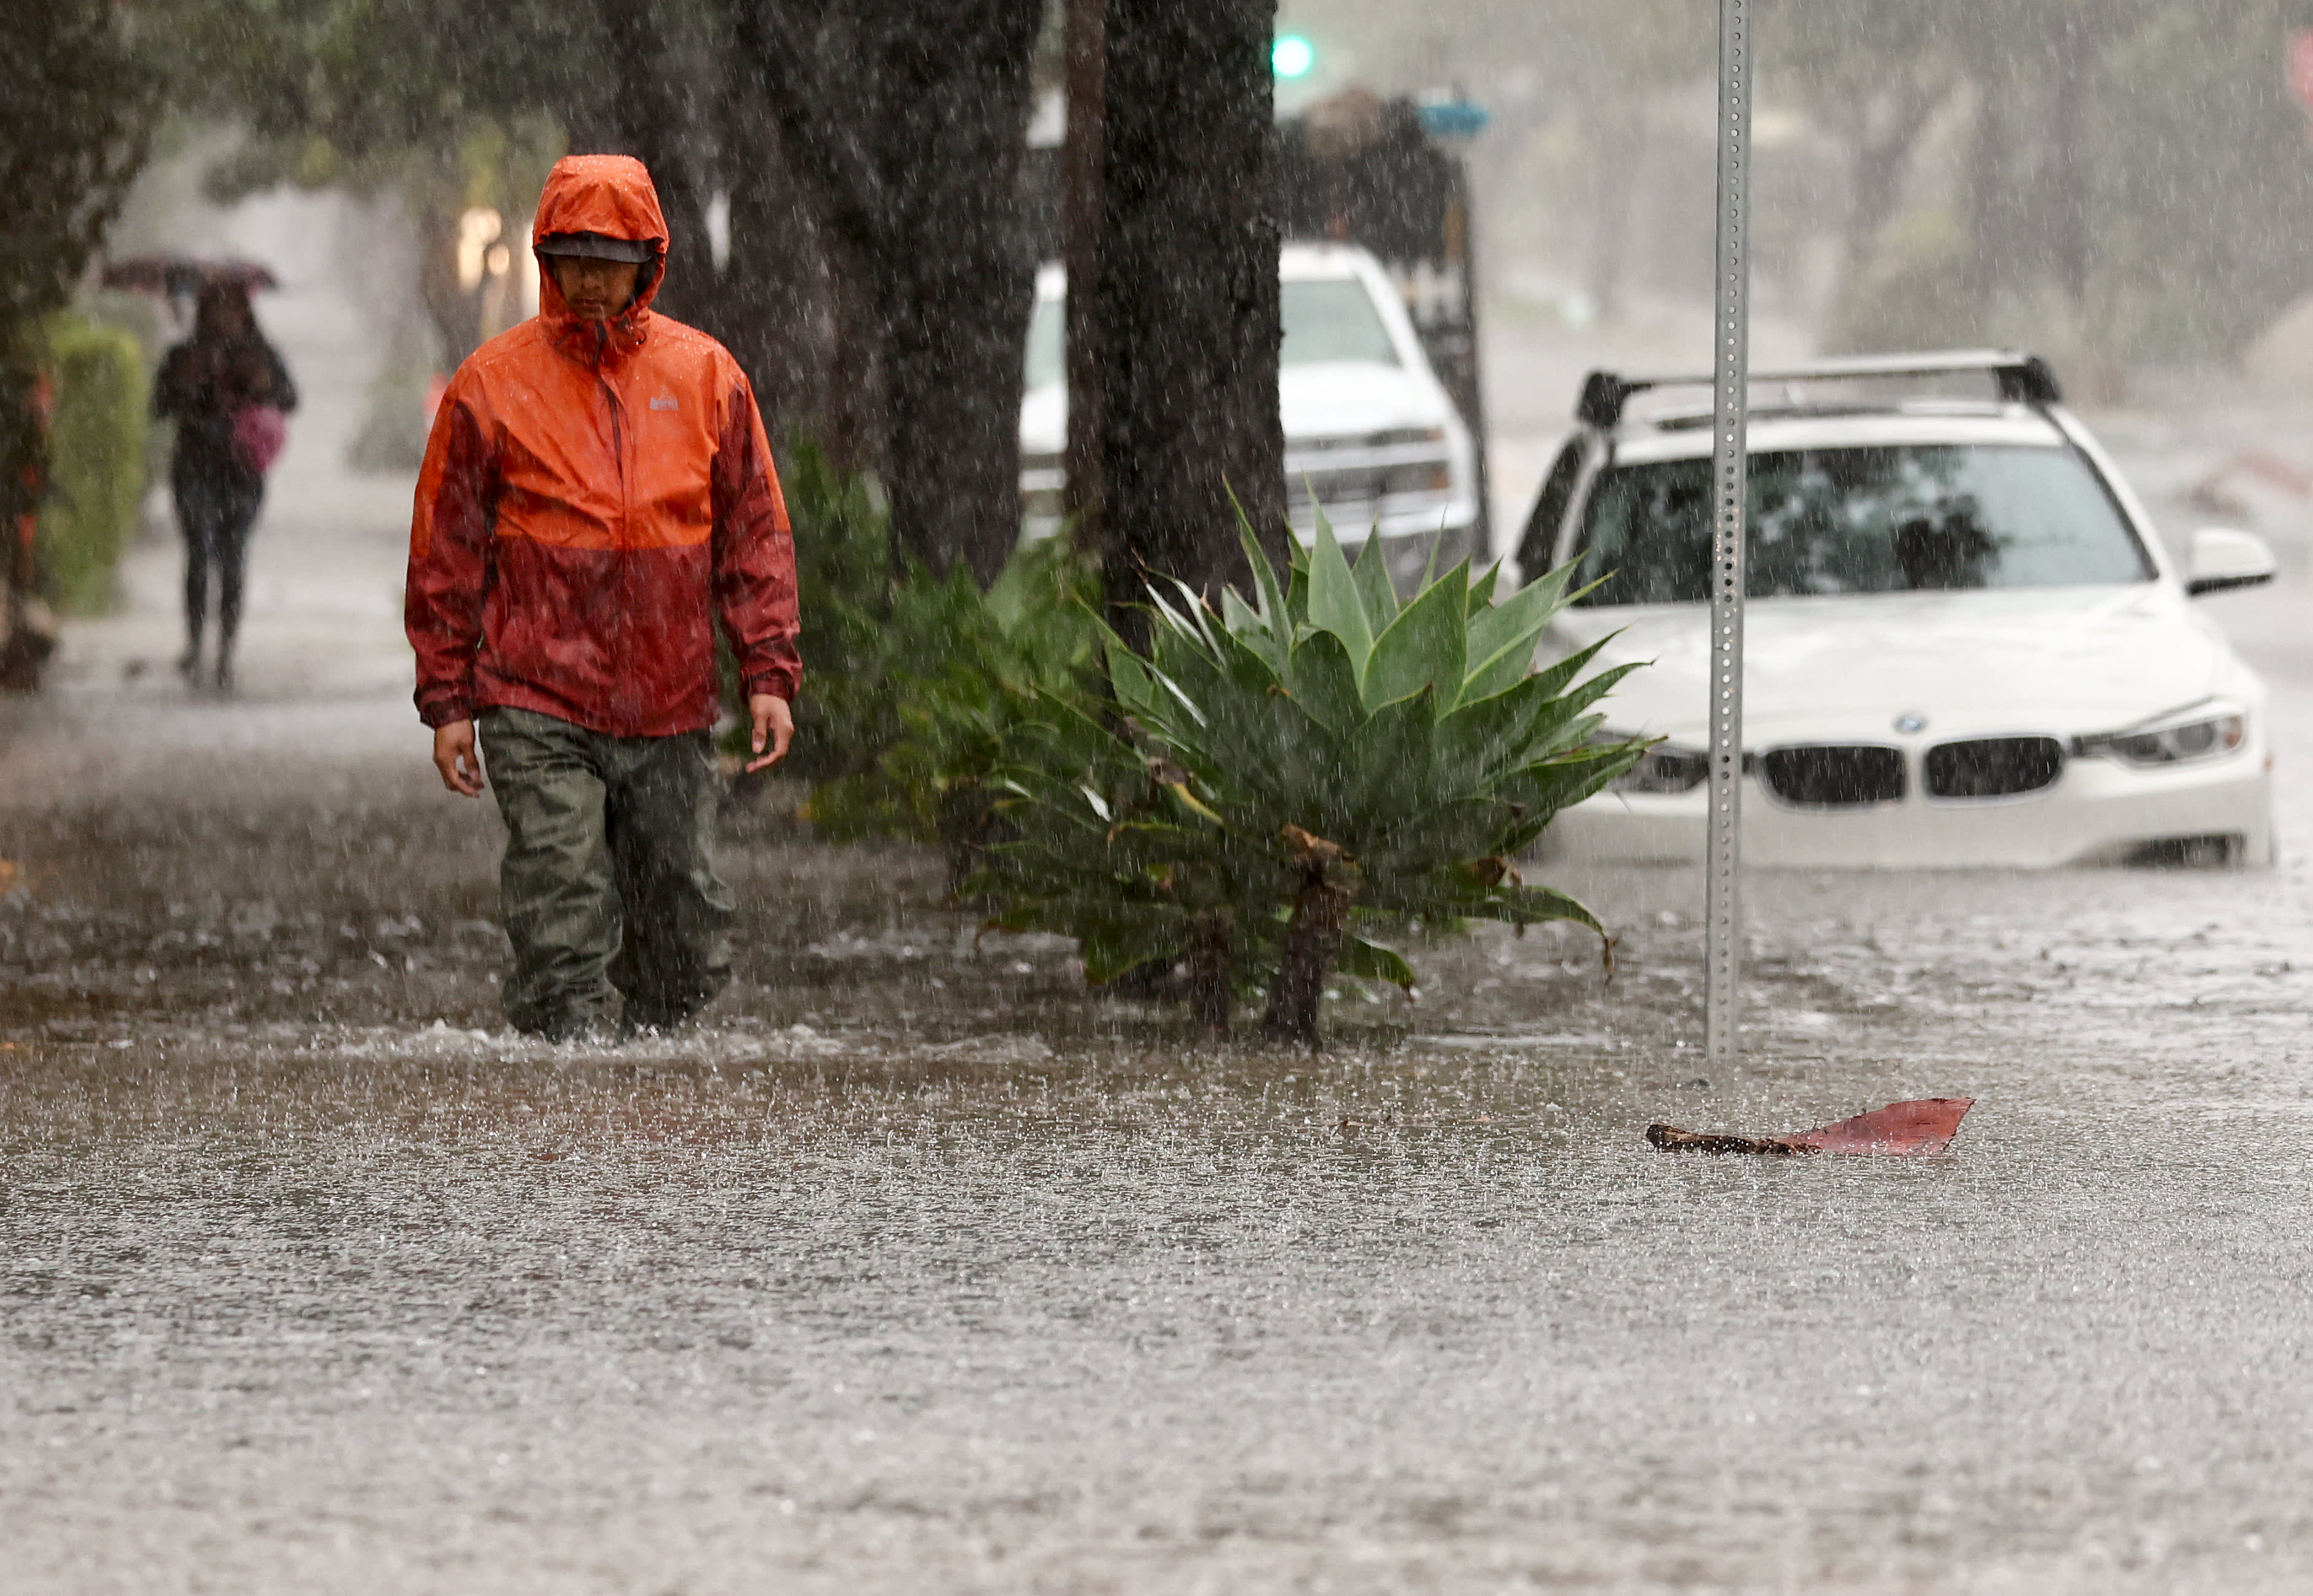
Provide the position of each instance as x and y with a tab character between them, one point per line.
1833	776
1357	477
1992	767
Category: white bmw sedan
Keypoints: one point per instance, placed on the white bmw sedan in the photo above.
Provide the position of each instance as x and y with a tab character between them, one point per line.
1963	644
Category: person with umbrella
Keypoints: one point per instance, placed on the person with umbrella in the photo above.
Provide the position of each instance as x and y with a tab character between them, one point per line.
228	389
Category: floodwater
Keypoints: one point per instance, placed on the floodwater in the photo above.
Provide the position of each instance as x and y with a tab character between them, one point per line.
919	1270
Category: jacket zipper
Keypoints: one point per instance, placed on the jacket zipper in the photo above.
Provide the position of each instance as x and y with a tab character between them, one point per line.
618	457
618	428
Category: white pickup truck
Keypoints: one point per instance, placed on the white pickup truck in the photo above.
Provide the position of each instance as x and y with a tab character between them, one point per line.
1367	425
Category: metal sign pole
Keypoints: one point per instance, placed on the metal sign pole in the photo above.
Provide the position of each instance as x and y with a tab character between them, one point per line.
1730	404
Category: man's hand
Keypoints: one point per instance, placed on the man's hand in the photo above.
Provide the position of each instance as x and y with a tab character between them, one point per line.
774	725
460	766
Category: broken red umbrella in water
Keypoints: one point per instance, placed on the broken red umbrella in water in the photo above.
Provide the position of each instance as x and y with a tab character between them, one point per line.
1925	1125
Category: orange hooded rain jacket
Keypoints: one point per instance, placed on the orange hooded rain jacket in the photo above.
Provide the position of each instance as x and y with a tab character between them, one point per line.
593	499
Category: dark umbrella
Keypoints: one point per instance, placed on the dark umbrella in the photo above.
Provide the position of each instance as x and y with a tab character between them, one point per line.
184	275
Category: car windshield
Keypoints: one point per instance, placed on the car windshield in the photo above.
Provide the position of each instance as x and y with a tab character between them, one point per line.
1333	319
1908	519
1325	320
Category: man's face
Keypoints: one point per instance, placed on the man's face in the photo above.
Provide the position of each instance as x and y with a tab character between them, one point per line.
595	290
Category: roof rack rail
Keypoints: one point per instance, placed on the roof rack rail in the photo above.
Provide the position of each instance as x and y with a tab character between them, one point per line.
2022	379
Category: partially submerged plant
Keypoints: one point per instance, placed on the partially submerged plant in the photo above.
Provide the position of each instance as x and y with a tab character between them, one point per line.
1292	774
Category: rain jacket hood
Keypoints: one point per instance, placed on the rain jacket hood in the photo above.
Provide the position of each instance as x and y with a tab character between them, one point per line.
613	196
593	502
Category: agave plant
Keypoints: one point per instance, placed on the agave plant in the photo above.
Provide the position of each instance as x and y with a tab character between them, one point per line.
1284	779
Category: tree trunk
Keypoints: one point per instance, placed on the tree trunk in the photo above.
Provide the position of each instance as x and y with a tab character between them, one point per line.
1330	884
774	305
651	121
959	277
1995	217
1618	148
817	67
906	125
1185	307
1883	135
454	312
2067	189
1084	161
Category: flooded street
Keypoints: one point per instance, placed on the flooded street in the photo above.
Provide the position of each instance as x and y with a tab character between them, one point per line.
919	1270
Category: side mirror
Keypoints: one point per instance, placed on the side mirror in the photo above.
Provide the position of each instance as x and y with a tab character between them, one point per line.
2223	558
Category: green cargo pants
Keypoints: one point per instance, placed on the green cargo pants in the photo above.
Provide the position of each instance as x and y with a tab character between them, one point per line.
608	882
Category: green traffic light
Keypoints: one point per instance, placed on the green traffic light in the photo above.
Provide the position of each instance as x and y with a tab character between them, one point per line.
1292	55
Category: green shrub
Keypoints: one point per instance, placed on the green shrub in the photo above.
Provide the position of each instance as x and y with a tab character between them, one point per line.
96	458
1287	778
846	713
971	668
912	679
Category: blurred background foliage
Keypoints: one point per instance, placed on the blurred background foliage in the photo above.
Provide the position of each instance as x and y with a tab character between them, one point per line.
76	122
2119	181
98	470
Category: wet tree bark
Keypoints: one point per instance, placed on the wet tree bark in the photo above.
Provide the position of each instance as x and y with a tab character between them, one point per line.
815	66
773	306
1183	315
959	274
1084	159
651	122
907	125
2068	183
1618	153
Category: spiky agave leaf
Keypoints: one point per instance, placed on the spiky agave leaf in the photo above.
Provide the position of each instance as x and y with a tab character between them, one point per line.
1415	741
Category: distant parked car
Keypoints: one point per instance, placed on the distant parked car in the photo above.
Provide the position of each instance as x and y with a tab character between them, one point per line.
1367	423
1964	643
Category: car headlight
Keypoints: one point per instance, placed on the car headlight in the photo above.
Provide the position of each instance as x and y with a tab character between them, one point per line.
1663	769
2205	731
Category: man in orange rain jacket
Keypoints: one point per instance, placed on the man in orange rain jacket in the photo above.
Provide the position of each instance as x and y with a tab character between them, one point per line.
597	492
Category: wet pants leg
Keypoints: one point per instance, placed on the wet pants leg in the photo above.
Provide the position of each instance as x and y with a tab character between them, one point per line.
197	519
231	550
609	881
674	952
215	508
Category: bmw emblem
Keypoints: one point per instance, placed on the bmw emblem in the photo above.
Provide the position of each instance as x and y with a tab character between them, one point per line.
1909	722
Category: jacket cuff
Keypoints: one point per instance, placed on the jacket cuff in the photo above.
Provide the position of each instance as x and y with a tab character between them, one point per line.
779	683
439	709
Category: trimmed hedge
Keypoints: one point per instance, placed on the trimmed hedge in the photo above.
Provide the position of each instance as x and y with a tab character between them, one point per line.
97	470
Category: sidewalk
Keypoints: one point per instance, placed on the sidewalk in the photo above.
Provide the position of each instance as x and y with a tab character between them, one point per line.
323	671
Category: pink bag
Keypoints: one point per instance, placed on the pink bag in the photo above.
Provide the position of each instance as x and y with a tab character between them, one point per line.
260	434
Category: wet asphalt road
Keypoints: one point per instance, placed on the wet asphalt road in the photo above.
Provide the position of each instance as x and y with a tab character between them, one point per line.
919	1272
